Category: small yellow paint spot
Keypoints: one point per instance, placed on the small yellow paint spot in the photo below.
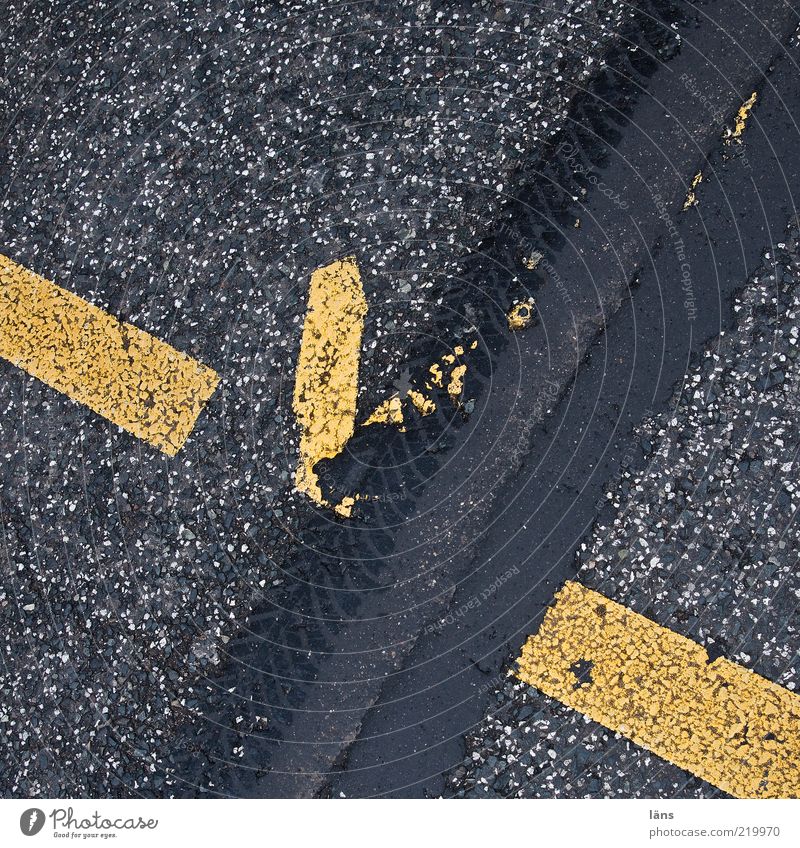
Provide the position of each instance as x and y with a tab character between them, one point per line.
742	115
456	385
448	358
520	314
458	350
718	720
437	377
120	372
326	385
425	406
691	196
531	261
388	412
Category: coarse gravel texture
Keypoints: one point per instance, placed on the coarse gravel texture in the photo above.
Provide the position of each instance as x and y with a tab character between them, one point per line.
186	166
704	541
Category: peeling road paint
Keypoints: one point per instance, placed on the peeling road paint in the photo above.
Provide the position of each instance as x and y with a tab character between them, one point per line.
423	405
520	315
133	379
718	720
326	386
742	115
691	195
388	412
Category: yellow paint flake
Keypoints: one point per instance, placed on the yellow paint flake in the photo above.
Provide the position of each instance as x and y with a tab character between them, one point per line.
742	115
520	314
718	720
691	196
345	508
425	406
326	385
456	385
437	377
458	350
530	262
120	372
388	412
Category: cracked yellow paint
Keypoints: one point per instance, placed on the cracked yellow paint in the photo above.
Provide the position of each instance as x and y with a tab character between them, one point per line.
720	721
520	314
388	412
425	406
133	379
456	385
691	196
326	385
742	115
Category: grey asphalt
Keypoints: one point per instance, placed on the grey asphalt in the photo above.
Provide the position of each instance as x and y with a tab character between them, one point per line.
187	166
703	539
192	626
628	371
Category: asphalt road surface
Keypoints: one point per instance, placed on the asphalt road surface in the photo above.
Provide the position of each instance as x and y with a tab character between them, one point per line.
180	619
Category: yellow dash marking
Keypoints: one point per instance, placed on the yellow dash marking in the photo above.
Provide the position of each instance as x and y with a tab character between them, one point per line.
326	386
520	315
425	406
718	720
456	385
388	412
120	372
742	115
691	196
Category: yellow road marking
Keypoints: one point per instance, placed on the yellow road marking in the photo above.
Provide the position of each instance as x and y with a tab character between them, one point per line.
718	720
120	372
326	386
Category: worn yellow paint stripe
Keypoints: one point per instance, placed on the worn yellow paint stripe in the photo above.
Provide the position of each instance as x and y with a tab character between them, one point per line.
124	374
718	720
326	386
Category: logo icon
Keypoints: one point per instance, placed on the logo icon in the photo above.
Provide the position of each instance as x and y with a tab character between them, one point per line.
31	821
